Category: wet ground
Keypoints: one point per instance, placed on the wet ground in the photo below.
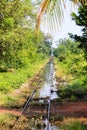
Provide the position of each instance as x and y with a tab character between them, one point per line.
49	87
45	94
73	109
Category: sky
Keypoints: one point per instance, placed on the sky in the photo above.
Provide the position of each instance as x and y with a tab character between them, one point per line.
68	25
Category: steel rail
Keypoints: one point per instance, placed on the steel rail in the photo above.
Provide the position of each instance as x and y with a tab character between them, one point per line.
49	105
27	103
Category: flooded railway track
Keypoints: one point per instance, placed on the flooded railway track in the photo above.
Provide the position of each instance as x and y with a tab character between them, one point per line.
73	109
46	93
46	106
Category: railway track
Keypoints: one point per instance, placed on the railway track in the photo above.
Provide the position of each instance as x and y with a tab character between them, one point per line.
46	104
27	103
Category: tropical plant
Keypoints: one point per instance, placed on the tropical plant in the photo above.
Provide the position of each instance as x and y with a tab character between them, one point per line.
52	12
81	20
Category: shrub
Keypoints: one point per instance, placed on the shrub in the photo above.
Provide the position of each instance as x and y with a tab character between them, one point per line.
74	126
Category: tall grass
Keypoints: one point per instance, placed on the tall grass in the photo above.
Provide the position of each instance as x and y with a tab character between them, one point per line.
75	125
10	81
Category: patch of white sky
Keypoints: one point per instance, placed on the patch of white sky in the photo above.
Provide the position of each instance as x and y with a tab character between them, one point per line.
68	25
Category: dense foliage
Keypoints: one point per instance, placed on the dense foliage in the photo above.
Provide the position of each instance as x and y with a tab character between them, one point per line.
72	60
81	20
19	44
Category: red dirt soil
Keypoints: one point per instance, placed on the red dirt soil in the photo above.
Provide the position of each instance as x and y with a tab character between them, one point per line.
76	109
71	109
10	111
68	109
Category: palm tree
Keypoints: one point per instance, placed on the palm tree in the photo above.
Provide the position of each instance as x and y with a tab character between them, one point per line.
52	11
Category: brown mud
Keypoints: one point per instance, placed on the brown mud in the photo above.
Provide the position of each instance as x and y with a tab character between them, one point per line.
68	109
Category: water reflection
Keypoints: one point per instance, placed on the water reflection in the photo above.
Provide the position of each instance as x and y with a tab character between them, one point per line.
47	92
49	87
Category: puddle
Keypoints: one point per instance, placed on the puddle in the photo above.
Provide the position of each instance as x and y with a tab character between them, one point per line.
49	87
47	93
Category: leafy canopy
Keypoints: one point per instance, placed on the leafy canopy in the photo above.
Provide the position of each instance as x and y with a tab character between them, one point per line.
81	20
19	44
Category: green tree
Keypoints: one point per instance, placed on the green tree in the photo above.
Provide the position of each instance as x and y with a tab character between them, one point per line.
81	20
65	49
68	53
54	11
19	43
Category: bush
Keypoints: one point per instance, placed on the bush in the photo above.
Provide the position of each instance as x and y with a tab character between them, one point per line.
74	126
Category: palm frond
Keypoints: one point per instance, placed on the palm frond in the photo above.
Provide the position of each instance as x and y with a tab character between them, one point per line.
52	13
42	10
80	1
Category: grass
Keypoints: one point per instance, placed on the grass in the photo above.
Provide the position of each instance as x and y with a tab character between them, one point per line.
62	71
75	125
7	122
74	82
10	81
4	98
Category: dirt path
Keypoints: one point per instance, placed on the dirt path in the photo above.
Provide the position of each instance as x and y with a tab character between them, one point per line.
10	111
73	109
76	109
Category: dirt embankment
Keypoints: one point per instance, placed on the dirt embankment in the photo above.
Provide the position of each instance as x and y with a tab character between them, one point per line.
10	111
73	109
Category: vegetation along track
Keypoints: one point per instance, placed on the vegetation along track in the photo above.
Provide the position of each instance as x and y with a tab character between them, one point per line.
50	108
